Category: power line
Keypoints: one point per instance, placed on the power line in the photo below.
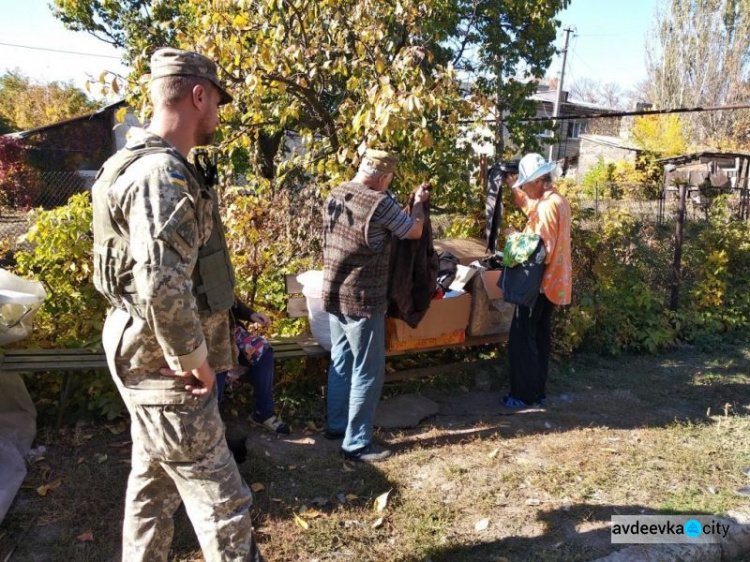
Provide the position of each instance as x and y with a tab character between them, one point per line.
642	112
59	51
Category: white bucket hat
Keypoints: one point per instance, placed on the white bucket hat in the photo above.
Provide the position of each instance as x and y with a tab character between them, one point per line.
532	167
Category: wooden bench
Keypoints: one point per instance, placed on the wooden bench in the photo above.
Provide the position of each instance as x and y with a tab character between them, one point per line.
64	360
69	360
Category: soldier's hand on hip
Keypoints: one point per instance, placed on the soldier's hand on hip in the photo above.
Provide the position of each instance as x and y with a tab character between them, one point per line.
200	381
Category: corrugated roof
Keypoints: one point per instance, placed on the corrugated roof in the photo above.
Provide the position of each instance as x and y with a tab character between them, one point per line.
31	132
684	158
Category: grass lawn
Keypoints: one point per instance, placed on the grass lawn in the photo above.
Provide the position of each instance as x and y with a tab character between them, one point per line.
626	435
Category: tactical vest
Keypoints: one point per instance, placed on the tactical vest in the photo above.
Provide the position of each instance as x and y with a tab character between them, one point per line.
213	277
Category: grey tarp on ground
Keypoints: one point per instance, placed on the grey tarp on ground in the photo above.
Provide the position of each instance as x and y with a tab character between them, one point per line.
17	432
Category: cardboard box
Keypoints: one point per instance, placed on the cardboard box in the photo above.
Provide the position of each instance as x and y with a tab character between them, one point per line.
490	314
465	249
444	317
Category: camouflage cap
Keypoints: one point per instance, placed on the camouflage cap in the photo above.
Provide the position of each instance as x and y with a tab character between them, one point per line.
176	62
379	160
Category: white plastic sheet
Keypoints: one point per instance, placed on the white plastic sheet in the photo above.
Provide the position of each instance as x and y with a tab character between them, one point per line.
19	301
17	432
312	288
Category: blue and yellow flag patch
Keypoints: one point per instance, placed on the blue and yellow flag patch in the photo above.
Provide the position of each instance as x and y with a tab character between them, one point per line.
178	179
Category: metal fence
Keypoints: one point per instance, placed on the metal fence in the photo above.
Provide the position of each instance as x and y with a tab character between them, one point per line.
652	203
648	202
674	206
47	190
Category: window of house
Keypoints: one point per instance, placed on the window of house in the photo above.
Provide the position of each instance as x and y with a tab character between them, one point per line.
576	129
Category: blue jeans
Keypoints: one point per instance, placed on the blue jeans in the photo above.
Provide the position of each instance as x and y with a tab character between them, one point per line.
355	378
261	378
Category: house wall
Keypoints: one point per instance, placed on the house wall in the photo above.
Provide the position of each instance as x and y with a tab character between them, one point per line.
80	144
591	152
567	146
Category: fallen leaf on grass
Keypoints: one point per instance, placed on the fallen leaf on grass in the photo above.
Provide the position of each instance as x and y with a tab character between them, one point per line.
378	523
348	468
381	501
267	453
482	524
532	501
80	460
351	497
494	453
100	458
301	522
257	487
310	513
88	536
276	500
292	467
43	490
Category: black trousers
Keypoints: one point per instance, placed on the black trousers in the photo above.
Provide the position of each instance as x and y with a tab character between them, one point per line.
529	344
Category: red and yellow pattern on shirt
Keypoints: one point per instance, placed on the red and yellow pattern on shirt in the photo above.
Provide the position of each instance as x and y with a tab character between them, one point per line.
549	217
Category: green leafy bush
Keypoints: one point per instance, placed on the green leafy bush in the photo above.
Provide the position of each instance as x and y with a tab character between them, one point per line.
59	255
716	293
622	275
597	178
619	280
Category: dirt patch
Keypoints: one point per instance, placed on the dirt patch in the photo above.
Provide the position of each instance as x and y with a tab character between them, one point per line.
631	435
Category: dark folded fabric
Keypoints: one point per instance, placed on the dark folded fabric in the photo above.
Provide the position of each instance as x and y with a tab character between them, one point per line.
412	274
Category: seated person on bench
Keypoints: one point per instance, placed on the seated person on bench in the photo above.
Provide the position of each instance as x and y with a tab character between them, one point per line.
256	360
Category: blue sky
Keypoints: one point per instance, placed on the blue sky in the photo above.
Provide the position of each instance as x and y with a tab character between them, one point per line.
608	45
30	23
609	40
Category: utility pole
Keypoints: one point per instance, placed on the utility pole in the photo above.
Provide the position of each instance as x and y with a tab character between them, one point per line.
558	98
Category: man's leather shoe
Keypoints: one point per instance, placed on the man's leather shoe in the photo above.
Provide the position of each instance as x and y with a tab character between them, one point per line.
366	454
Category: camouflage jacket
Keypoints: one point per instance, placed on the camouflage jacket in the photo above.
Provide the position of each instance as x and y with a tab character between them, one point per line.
158	207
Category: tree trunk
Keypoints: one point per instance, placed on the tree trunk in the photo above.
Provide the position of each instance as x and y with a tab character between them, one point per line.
268	146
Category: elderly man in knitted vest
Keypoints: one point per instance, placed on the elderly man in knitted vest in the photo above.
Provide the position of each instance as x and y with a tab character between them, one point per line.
359	218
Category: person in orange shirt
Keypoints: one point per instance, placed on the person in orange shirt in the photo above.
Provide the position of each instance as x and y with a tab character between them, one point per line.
530	338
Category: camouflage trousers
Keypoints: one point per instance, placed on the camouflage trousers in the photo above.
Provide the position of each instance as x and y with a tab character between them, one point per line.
180	454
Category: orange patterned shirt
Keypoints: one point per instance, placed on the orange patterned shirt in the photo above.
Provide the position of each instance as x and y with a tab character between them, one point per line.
549	217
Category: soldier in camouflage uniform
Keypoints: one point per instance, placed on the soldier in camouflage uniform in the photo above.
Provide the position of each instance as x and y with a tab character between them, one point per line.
162	262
